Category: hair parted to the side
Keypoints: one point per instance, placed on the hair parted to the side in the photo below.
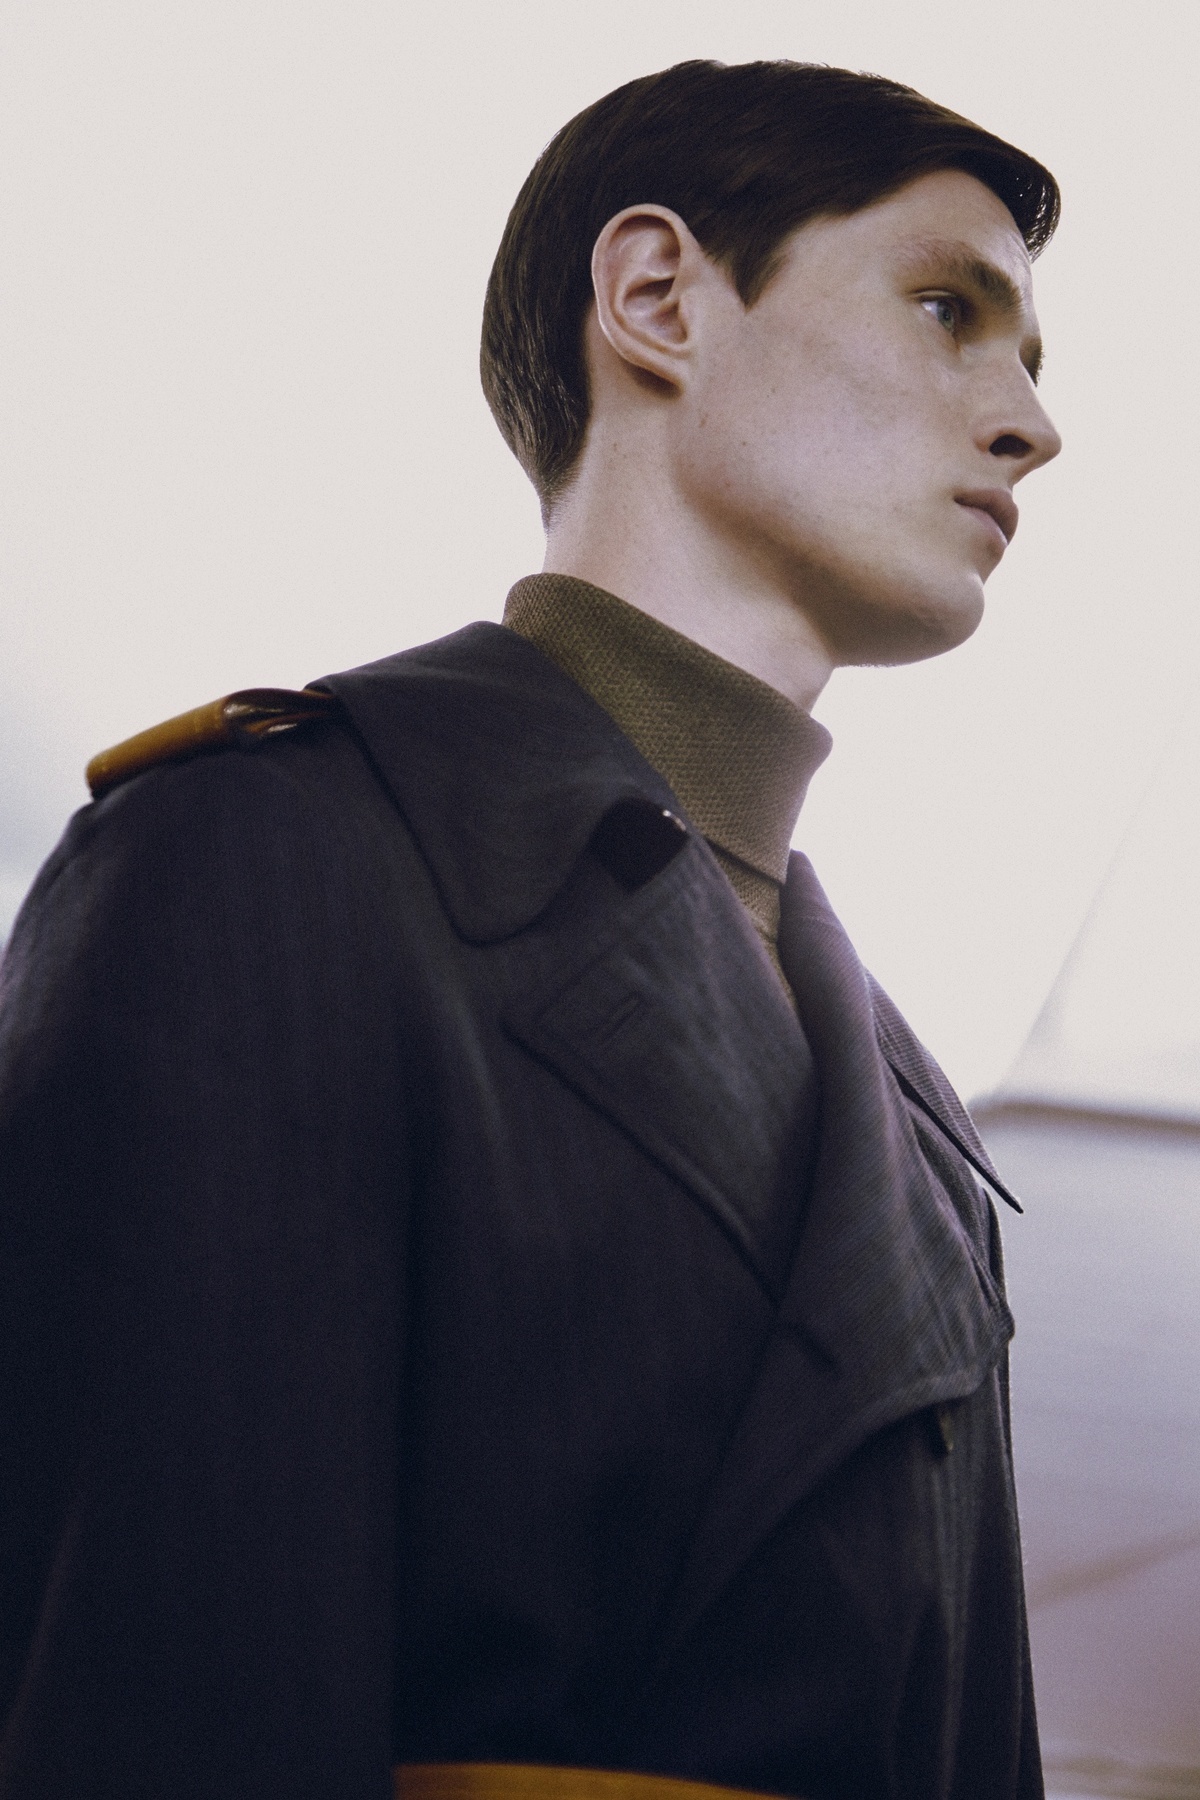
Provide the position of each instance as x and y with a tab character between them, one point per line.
745	154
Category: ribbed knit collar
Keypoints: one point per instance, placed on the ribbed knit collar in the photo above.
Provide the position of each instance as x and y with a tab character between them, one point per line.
737	753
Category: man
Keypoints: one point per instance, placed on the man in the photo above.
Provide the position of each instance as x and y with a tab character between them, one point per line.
489	1286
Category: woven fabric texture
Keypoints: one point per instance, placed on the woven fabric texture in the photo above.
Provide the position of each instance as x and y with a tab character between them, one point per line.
737	753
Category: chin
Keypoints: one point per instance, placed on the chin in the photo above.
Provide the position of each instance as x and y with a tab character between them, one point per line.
890	627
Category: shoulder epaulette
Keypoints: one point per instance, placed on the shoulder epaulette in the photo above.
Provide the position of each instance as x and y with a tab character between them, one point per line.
237	721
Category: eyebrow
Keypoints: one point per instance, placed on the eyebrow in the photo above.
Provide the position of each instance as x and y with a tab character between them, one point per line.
964	266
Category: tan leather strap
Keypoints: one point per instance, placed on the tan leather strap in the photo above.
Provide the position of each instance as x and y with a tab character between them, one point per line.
235	720
534	1781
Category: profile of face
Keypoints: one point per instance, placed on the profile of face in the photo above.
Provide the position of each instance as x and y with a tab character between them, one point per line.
855	435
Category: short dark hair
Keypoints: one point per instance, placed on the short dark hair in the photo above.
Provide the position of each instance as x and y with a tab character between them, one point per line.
744	154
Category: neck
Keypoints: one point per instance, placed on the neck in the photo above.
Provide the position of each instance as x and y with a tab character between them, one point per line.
622	527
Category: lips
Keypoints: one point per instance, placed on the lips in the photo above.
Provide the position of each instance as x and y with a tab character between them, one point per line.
997	503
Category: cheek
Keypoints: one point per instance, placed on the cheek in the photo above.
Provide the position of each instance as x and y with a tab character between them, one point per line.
840	411
822	431
863	402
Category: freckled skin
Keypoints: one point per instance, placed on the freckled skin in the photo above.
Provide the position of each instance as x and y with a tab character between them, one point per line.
841	415
783	482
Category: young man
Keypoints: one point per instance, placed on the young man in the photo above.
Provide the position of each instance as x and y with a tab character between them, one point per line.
488	1284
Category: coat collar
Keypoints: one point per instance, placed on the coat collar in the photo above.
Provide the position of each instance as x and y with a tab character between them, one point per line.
660	1004
501	765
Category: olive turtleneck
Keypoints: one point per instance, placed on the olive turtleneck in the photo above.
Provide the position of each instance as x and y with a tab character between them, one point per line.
736	752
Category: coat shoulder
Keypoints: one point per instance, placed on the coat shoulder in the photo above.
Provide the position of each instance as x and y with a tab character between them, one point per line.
183	814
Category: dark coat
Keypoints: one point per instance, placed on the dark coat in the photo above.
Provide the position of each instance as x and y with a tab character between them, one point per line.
433	1323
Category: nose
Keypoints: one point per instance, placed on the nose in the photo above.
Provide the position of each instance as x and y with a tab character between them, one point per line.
1027	439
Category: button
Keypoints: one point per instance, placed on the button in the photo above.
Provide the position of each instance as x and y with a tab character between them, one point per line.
635	840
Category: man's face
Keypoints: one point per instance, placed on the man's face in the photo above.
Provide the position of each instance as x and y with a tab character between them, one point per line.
859	429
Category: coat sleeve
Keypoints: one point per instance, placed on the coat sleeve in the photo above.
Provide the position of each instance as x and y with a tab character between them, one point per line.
202	1181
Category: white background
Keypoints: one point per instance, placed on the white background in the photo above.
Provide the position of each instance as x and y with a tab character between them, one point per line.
243	247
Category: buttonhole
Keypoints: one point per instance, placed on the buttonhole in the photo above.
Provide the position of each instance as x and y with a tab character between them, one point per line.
623	1014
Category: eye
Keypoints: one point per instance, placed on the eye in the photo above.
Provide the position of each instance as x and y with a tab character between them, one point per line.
947	309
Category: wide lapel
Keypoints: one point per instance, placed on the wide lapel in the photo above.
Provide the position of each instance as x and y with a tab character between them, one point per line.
660	1005
926	1086
889	1306
664	1011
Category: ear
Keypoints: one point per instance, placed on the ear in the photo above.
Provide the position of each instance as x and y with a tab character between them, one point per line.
644	267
